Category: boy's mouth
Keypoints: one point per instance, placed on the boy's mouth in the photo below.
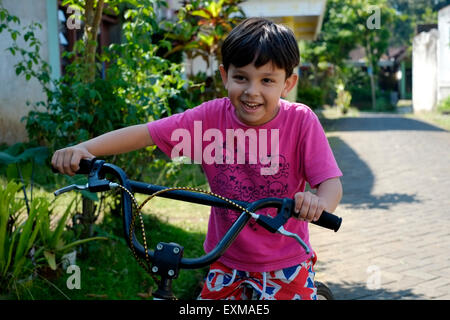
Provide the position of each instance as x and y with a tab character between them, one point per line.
251	106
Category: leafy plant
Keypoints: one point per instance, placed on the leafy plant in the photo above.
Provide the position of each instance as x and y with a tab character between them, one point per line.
444	106
313	97
343	98
201	28
20	163
30	243
16	237
51	241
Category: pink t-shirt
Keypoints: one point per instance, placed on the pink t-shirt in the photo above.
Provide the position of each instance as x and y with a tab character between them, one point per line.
248	163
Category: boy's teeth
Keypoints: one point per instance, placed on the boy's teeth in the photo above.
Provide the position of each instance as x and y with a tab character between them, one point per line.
251	105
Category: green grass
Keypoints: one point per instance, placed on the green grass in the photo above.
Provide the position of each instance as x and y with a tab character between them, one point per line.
334	113
434	118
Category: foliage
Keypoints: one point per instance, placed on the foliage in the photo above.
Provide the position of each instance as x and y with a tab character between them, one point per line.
312	96
201	28
12	258
444	106
137	88
147	80
345	28
409	14
19	163
343	98
29	243
51	241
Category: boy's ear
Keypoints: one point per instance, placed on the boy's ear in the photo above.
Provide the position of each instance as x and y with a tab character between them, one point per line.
289	84
224	75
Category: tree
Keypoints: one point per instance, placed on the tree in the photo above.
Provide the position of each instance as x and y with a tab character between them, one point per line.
200	30
411	13
347	25
374	36
92	11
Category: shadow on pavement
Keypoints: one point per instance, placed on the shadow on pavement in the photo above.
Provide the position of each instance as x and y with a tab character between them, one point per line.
377	122
359	291
358	181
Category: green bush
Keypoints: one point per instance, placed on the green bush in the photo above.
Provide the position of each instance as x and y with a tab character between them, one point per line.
313	97
362	98
444	105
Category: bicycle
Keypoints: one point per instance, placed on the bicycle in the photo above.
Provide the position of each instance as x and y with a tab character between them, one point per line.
167	259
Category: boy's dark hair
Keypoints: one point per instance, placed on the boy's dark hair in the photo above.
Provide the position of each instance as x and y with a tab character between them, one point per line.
261	41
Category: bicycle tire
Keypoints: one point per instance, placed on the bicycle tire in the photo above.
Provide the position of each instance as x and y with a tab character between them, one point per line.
323	292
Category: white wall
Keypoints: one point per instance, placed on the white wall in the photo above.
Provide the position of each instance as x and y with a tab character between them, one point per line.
16	91
424	70
443	54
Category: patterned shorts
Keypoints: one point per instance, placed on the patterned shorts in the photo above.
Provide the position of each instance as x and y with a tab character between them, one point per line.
293	283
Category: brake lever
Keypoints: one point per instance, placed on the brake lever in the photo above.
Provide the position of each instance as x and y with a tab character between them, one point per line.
96	181
286	233
276	224
70	188
268	223
104	185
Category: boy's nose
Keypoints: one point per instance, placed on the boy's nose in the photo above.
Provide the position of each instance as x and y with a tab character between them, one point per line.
251	90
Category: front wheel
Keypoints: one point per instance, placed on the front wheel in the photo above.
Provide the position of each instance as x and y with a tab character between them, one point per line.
323	292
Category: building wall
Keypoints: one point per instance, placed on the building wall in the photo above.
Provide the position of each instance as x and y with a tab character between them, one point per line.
15	91
431	64
443	54
425	67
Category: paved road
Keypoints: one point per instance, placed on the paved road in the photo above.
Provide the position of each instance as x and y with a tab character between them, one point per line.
394	242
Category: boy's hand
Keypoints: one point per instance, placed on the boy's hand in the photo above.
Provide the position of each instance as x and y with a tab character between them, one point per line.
67	160
308	206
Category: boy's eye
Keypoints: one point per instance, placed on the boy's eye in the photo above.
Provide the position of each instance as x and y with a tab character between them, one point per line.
239	78
267	80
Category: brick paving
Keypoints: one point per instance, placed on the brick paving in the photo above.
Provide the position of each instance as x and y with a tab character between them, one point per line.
394	242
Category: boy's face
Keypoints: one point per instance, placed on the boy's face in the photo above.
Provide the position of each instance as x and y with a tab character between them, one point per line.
255	92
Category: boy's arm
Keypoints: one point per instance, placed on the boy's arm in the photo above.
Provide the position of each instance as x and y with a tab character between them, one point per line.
115	142
327	197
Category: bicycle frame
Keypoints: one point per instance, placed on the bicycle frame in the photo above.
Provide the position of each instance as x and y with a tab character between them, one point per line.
167	258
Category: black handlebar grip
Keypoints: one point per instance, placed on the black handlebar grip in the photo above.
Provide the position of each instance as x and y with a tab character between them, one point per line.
329	221
85	166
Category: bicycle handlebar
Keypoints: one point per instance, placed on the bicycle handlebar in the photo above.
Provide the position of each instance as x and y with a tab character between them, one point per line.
97	169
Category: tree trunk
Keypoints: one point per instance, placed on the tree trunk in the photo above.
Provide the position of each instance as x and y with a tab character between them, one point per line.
371	75
93	18
88	218
372	87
